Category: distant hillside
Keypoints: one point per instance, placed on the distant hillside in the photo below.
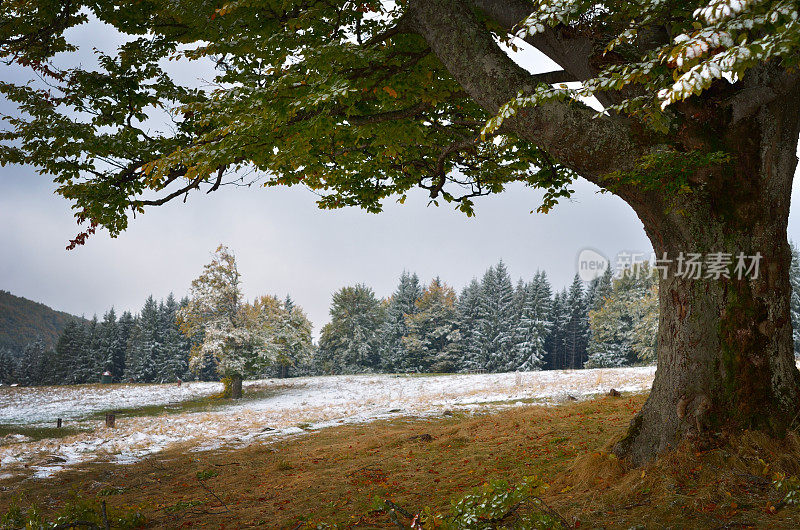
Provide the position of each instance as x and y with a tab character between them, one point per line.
23	320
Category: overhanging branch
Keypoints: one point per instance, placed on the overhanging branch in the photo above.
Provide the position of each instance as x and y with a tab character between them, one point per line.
569	131
571	53
559	76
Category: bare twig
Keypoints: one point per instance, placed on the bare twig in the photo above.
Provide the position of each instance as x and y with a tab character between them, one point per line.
546	508
399	509
362	468
395	520
74	524
104	515
213	495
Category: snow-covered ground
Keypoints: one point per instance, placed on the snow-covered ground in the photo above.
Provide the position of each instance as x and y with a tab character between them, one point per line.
289	407
47	403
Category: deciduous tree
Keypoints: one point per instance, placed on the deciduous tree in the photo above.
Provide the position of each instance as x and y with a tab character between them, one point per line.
232	331
363	101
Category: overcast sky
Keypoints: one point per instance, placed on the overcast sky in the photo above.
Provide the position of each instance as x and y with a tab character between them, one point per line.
284	244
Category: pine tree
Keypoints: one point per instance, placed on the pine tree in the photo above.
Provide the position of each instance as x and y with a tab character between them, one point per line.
645	329
49	368
86	367
204	367
349	342
119	354
433	338
533	324
30	366
8	364
145	345
576	327
289	334
794	304
297	339
275	318
555	342
597	293
68	349
108	341
471	352
393	352
173	356
497	318
599	289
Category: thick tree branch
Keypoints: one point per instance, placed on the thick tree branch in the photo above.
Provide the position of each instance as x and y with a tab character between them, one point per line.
164	200
559	76
401	26
571	53
569	49
762	85
569	131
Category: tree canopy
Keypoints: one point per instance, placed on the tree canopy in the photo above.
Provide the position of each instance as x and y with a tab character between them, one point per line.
366	100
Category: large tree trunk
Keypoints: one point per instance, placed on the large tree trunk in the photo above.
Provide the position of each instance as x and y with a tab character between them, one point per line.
725	351
725	348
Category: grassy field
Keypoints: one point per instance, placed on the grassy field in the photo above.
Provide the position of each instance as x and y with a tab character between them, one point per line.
163	417
198	404
334	476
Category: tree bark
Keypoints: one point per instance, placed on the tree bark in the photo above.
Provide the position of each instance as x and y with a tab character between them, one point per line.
725	350
233	387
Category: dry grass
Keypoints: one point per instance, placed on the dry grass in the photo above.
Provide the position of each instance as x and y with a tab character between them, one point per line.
332	476
714	483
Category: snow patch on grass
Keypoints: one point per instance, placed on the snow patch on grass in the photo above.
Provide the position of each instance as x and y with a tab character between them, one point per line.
292	407
30	405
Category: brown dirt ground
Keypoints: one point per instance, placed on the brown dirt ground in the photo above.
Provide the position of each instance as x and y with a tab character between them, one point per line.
332	476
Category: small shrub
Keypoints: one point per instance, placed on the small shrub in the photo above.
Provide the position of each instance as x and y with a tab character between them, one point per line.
494	505
283	465
78	510
789	486
181	506
105	492
13	518
207	474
